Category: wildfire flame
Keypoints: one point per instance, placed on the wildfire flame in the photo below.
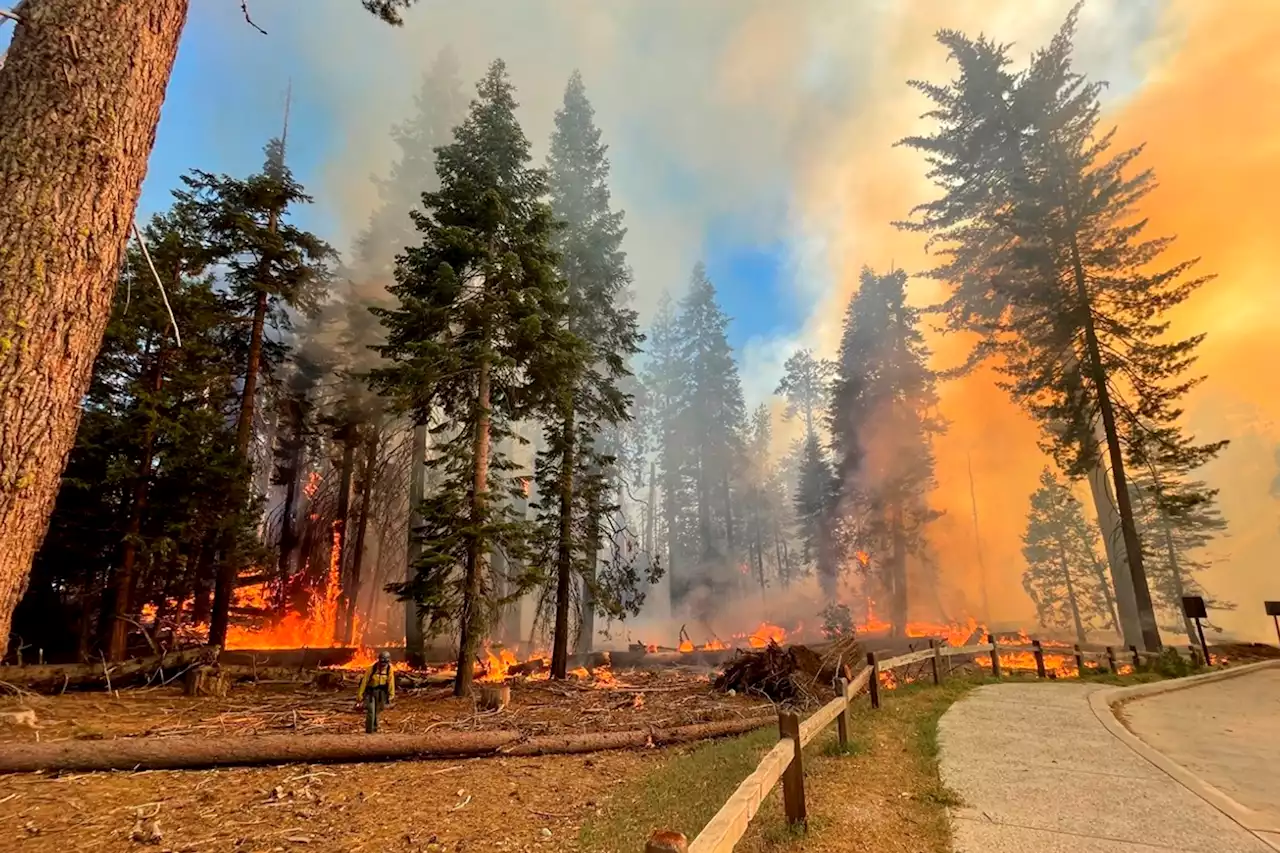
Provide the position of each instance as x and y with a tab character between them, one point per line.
497	665
766	634
685	646
315	629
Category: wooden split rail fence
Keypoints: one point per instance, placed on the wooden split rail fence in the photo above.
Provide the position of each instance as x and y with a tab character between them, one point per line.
786	760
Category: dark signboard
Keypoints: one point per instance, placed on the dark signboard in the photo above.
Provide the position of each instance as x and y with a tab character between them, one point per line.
1193	607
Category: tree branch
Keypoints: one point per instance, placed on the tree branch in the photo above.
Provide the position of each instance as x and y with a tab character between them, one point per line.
244	7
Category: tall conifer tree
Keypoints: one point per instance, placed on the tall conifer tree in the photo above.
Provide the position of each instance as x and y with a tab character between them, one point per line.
480	301
1050	264
575	473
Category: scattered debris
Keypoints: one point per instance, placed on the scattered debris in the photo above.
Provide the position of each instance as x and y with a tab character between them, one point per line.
25	718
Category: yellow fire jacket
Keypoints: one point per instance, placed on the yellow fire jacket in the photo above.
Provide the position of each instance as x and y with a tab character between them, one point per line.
375	678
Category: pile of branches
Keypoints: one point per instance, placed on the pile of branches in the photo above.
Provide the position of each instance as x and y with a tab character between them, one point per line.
786	676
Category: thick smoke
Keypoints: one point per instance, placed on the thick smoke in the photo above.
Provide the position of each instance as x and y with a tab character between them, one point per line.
774	122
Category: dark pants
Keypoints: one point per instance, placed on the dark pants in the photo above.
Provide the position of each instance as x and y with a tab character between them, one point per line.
375	699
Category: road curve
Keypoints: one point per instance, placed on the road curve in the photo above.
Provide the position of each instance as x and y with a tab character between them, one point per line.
1036	770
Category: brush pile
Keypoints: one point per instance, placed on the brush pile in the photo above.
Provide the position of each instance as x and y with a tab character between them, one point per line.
783	675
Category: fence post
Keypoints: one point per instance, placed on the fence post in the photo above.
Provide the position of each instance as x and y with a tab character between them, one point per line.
793	776
995	655
665	841
842	721
937	661
1079	660
1038	652
873	683
1137	659
1111	659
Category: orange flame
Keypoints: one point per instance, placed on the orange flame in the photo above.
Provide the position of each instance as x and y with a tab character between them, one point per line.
685	646
497	665
315	629
766	634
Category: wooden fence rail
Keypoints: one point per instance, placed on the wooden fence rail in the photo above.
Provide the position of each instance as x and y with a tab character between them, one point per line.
785	761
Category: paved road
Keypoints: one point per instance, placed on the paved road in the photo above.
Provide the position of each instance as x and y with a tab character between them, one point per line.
1037	771
1227	733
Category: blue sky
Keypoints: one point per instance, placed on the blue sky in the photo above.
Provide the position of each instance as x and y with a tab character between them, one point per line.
226	99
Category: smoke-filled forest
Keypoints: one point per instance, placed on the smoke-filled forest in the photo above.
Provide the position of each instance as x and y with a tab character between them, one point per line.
460	432
498	419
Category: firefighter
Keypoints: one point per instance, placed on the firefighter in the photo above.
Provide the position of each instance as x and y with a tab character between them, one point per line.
377	690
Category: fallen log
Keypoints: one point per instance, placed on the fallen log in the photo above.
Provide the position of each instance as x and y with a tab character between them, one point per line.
184	753
55	677
635	738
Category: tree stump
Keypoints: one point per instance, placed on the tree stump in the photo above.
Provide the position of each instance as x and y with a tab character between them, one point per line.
206	681
494	697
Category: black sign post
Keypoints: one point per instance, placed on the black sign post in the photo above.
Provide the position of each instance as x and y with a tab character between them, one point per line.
1273	610
1193	607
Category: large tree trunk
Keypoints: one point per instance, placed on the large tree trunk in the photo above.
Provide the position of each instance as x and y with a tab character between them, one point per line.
80	97
564	550
414	639
1129	530
123	582
352	590
477	552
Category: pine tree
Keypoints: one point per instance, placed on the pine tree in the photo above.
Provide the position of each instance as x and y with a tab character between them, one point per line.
759	475
667	391
272	266
814	499
1060	549
439	107
1050	265
575	472
714	418
806	385
884	417
478	300
1177	517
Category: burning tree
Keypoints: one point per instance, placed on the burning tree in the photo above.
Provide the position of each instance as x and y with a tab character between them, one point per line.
478	299
1048	262
1063	576
272	266
883	420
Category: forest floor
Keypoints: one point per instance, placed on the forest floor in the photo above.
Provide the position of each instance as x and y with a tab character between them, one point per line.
479	804
632	699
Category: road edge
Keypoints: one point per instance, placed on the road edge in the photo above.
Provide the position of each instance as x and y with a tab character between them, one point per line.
1104	702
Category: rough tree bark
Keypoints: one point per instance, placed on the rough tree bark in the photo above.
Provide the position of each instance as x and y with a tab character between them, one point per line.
81	93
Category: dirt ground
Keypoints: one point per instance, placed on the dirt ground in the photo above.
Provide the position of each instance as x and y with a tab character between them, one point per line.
635	699
500	804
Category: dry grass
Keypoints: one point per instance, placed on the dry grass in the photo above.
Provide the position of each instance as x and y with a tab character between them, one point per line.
883	794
